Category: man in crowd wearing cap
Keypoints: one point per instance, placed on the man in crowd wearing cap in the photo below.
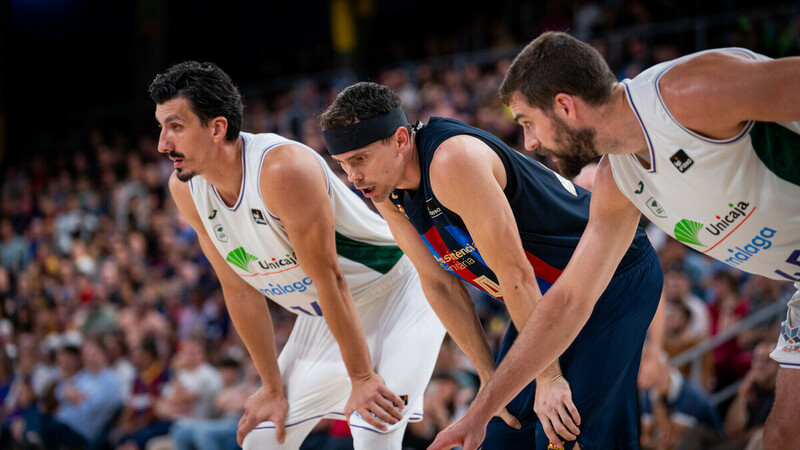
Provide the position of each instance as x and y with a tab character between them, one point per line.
465	206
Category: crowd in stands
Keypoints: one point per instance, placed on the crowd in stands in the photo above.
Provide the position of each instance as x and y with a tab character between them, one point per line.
114	332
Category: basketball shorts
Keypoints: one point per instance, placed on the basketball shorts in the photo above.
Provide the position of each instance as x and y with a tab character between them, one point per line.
404	336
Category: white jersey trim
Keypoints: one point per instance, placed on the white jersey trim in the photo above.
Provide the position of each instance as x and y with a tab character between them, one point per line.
241	188
646	134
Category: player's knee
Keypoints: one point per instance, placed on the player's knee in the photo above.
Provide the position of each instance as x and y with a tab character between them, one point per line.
372	438
262	438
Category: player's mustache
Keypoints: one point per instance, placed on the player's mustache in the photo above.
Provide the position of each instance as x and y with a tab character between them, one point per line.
174	154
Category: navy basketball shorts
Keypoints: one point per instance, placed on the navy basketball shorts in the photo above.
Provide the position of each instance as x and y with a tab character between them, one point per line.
601	365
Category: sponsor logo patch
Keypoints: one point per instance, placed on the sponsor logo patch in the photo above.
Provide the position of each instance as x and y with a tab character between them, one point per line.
258	216
240	258
433	210
681	161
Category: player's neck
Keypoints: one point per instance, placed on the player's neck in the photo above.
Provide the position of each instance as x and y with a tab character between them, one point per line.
619	128
226	171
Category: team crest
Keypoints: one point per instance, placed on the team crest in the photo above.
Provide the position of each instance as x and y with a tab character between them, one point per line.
258	216
652	203
220	233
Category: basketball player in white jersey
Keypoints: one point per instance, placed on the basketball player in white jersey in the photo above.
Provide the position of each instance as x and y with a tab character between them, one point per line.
274	221
706	146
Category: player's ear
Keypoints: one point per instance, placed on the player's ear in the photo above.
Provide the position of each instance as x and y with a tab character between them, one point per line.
564	106
401	137
218	128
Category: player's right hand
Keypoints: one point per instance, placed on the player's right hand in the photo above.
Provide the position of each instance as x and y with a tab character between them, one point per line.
467	432
264	405
370	398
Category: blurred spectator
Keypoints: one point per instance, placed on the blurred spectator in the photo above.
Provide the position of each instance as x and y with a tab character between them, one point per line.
138	422
14	253
677	288
671	404
191	390
747	414
675	255
88	398
220	433
116	350
728	308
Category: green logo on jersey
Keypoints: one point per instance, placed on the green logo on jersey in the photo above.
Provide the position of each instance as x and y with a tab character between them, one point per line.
219	231
213	214
240	258
687	231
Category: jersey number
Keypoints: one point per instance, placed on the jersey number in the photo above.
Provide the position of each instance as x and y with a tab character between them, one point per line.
314	306
794	258
488	285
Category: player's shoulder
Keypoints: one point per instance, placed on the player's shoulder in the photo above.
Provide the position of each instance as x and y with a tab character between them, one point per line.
703	68
288	161
461	151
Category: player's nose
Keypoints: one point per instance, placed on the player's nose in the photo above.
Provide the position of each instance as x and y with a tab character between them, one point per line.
353	175
164	144
531	141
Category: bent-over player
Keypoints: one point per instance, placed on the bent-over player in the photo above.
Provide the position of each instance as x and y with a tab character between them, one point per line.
274	221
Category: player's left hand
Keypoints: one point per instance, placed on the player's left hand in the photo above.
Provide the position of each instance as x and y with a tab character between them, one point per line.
467	432
557	413
371	396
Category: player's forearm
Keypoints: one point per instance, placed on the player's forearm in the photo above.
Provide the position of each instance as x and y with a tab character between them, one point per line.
452	304
342	318
550	331
521	296
250	315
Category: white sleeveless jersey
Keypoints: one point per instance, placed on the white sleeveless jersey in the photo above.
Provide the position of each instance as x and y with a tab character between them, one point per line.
257	248
736	200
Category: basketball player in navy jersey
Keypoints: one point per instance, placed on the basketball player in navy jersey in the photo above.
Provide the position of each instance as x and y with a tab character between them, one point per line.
466	207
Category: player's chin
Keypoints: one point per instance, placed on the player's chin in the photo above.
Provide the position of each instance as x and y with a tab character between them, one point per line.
184	175
379	196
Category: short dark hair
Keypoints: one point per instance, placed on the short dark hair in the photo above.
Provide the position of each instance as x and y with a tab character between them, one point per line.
209	90
358	102
148	345
554	63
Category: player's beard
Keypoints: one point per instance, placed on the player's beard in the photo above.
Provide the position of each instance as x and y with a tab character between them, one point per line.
576	147
184	175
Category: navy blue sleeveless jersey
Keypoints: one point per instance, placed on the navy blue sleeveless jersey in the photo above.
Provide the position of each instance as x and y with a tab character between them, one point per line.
551	213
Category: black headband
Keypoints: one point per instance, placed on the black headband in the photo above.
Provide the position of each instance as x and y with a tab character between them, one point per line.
361	134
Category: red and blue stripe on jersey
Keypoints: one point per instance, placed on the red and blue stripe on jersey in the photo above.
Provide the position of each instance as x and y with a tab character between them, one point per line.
550	214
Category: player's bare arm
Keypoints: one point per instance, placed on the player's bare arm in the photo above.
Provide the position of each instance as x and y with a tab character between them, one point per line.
446	294
448	298
294	189
716	93
561	312
250	315
488	216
